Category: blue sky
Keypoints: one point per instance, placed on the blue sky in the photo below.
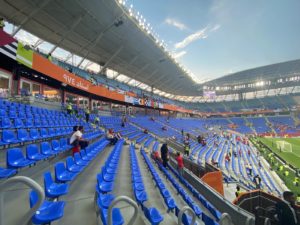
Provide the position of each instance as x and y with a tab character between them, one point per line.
217	37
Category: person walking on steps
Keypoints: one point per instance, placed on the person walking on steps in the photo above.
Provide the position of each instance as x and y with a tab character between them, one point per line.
164	153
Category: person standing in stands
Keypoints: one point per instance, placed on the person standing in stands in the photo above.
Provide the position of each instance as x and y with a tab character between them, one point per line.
164	154
180	164
187	149
69	108
286	209
87	115
49	57
257	181
238	191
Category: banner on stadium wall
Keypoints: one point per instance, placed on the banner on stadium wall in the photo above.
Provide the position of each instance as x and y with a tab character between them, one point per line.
129	99
24	55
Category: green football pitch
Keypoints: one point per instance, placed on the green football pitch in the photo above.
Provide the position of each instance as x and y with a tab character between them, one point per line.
293	157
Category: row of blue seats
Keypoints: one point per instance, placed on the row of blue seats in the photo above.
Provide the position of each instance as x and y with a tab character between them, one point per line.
64	172
216	213
6	123
151	213
105	184
22	135
169	200
141	138
148	142
15	158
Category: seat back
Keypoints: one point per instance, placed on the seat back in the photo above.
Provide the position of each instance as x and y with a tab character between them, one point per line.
22	134
31	150
6	123
63	142
69	161
33	198
45	147
34	133
47	180
18	123
44	132
59	168
8	135
13	155
55	144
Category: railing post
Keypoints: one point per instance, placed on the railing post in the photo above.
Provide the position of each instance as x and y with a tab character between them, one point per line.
30	183
180	214
127	200
225	219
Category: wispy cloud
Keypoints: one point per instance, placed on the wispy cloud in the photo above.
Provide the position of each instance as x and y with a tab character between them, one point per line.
201	34
175	23
177	55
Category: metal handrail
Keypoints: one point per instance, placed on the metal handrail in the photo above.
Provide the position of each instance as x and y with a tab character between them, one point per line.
30	183
225	219
180	214
250	221
127	200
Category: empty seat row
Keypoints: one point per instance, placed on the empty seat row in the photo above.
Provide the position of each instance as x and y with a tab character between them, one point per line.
105	185
54	210
22	135
6	123
151	213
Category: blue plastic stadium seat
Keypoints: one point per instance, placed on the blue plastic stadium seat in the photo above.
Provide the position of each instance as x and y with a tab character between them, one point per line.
32	153
48	212
34	134
18	123
52	189
79	161
22	115
104	200
46	149
9	137
44	133
64	144
6	123
62	174
16	159
29	122
207	220
23	135
103	185
4	173
12	114
117	218
2	113
37	123
51	132
153	215
56	146
72	167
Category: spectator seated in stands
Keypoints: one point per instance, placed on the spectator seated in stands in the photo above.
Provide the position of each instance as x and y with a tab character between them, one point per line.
146	131
164	128
73	141
111	137
77	139
118	135
155	155
227	158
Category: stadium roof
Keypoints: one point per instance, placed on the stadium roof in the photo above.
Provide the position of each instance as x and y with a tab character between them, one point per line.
104	32
273	71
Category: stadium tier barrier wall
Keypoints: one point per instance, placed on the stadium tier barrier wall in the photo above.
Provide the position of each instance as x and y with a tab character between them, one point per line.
261	204
238	215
